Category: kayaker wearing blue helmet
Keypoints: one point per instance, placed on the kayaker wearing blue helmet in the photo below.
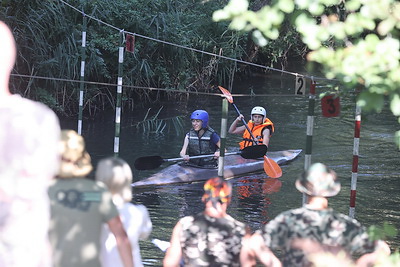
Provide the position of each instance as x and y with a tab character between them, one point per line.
201	140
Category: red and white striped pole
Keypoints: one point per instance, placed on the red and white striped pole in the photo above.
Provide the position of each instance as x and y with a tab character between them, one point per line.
354	172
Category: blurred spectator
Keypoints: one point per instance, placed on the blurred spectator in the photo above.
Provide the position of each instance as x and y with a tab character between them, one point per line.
79	208
116	174
210	238
29	134
315	227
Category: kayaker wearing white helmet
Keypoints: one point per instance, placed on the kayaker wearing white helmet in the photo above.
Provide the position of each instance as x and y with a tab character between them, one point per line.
201	140
260	126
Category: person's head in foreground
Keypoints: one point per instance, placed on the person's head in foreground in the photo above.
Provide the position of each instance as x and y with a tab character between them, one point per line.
8	54
217	197
318	181
75	161
116	174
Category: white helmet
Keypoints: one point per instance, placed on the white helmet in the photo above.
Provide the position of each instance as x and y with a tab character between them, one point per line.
259	111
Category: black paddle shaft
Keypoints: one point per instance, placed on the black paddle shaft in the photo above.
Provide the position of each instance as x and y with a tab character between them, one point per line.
152	162
245	124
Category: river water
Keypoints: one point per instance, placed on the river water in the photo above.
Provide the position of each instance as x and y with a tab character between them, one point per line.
256	198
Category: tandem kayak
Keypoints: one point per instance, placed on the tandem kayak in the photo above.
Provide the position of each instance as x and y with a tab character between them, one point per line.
234	165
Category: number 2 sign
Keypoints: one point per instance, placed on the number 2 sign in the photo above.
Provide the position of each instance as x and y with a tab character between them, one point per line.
300	86
330	105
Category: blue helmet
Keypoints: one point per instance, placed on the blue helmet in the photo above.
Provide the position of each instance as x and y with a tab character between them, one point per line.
200	115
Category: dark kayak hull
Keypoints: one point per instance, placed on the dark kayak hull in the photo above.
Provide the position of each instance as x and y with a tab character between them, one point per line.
234	165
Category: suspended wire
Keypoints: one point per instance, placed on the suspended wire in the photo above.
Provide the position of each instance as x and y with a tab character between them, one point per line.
197	50
167	90
84	14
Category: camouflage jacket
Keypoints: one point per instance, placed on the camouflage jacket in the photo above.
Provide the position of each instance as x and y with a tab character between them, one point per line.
208	241
329	228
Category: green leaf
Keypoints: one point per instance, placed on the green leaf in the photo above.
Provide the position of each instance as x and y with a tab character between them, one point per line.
395	104
315	8
397	138
389	229
238	23
371	101
259	39
286	6
352	5
220	15
386	26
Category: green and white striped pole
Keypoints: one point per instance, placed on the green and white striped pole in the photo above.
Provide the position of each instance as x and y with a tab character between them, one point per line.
119	94
310	127
224	125
82	78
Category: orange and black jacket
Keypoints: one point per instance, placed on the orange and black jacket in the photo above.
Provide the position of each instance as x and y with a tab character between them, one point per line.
257	132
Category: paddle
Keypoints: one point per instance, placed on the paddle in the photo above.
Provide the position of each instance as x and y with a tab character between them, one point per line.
271	168
152	162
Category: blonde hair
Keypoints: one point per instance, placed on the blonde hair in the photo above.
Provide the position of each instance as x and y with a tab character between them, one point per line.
116	174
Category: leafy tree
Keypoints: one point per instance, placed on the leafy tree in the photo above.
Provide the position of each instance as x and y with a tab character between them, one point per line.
356	41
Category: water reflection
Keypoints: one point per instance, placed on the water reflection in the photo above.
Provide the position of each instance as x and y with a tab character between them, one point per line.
253	194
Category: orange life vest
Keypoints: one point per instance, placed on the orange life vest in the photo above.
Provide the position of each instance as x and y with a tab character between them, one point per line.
257	132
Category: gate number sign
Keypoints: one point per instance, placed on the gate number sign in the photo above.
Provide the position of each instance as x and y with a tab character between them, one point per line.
330	105
300	86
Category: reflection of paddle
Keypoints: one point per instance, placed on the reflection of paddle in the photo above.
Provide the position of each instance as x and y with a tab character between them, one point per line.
271	168
152	162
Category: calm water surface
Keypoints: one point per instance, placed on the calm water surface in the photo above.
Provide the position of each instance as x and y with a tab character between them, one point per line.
256	198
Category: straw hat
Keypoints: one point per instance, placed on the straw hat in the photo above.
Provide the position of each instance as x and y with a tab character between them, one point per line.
75	161
318	181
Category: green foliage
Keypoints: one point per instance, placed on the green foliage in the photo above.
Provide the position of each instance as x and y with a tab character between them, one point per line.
386	231
382	233
48	34
155	125
48	99
356	41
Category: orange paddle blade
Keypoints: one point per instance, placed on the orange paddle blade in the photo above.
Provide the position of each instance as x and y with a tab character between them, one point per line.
272	168
227	94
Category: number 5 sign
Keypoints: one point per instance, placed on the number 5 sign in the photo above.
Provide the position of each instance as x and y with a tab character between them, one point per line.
300	86
330	105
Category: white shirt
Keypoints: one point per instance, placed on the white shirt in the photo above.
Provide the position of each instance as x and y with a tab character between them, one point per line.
137	224
29	159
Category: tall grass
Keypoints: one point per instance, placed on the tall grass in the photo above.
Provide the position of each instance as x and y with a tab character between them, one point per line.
48	34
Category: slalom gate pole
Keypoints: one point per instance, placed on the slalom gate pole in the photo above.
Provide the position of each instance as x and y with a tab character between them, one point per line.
82	78
224	124
354	172
310	127
119	94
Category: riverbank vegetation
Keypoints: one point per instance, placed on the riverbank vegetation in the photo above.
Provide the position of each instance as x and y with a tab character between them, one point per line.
48	34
